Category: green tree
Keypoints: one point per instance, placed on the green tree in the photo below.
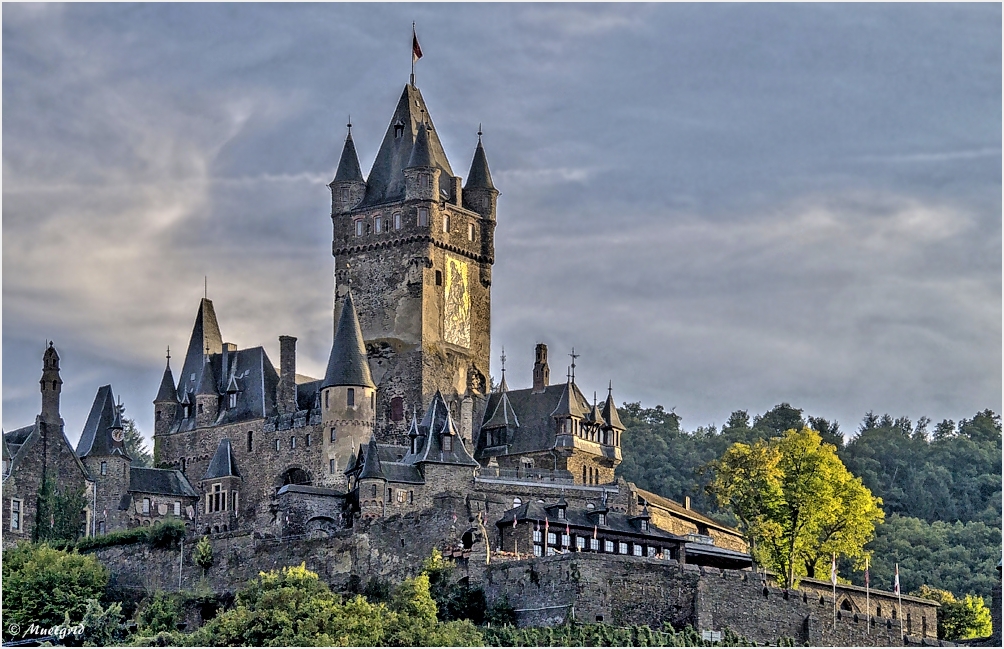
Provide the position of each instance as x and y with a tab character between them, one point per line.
59	513
135	445
959	619
159	613
202	554
42	585
796	502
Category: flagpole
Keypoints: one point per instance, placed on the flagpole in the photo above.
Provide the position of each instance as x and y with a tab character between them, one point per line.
833	580
413	37
899	598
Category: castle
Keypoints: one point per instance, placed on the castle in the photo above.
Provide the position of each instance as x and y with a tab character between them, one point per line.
404	432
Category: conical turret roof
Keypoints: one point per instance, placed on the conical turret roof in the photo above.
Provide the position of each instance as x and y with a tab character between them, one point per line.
104	416
347	364
504	415
167	391
206	340
420	156
371	463
348	164
610	411
385	182
595	416
207	380
479	176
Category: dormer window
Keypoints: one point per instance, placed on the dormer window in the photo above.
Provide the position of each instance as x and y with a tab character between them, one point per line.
601	519
561	513
644	525
233	400
398	129
448	443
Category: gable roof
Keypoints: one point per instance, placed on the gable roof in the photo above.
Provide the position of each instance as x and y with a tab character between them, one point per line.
223	463
166	482
21	441
439	422
537	430
385	183
96	438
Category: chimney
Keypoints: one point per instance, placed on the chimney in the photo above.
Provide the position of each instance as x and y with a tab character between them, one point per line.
286	399
541	374
686	502
226	352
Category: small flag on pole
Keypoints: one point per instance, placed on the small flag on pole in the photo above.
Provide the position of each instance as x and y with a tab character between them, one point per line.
594	531
833	571
416	49
514	520
547	527
895	584
867	580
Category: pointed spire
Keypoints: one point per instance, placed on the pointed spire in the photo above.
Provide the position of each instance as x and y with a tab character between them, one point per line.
413	427
503	386
420	156
385	182
371	463
207	382
117	418
479	177
610	410
96	438
167	391
568	404
595	417
348	164
206	340
223	463
347	364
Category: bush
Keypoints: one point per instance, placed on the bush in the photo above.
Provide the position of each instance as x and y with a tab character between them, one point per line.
166	535
42	585
122	537
202	555
159	614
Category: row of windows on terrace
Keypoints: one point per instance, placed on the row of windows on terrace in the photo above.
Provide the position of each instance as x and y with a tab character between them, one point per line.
591	432
581	543
382	224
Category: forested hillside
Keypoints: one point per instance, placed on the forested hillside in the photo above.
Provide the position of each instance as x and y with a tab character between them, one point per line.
940	485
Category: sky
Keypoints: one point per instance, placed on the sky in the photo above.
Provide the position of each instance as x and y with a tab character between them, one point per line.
720	207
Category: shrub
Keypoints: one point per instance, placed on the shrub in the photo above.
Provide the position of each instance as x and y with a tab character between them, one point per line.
159	614
166	534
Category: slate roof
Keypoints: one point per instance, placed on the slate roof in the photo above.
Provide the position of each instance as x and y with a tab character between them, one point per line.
223	463
610	414
682	512
167	482
96	438
205	333
537	428
435	423
385	183
371	462
479	176
348	164
503	416
256	381
568	404
167	391
347	364
207	381
583	518
420	156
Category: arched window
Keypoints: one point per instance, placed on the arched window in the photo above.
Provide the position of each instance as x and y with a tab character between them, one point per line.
360	227
516	502
470	232
397	408
397	221
378	224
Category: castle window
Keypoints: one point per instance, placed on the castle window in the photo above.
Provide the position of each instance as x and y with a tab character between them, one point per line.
622	548
397	409
373	400
397	221
292	441
15	515
601	519
390	495
411	497
233	400
158	416
146	506
101	527
644	526
470	232
345	194
439	278
584	476
561	513
373	491
184	464
350	397
517	501
233	501
651	551
608	546
536	536
894	614
104	468
537	551
250	441
378	224
424	181
423	217
327	403
200	408
333	436
308	439
360	227
177	508
594	545
447	443
878	610
550	551
637	550
565	540
400	496
580	543
552	538
331	466
277	445
446	223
